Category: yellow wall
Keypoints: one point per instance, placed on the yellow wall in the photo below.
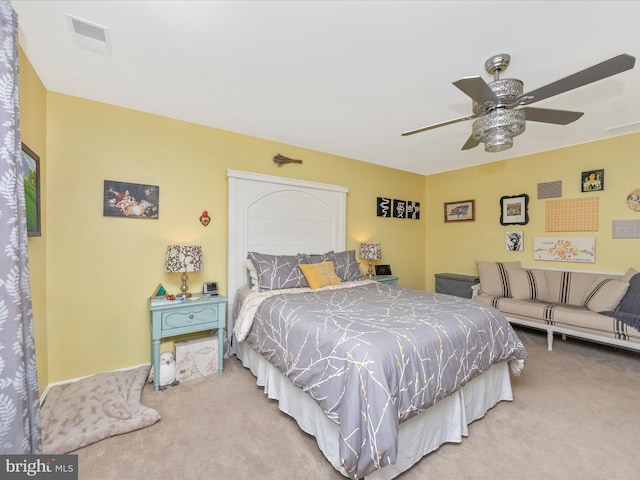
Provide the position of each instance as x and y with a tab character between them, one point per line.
453	247
91	275
102	269
33	117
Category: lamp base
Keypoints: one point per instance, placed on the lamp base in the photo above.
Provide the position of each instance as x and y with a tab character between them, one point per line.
184	288
370	273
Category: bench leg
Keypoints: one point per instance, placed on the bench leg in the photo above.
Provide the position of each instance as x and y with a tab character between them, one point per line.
550	340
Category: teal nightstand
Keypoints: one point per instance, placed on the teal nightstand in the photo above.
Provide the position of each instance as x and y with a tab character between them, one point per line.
386	279
168	320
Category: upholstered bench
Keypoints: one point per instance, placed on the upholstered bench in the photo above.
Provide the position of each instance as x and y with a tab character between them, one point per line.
599	307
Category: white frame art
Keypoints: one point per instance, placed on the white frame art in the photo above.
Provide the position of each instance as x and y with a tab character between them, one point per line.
565	249
514	241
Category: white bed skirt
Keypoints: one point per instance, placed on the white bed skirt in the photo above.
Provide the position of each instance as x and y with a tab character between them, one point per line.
444	422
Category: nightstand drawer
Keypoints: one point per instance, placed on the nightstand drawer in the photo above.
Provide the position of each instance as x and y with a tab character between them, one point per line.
191	318
387	279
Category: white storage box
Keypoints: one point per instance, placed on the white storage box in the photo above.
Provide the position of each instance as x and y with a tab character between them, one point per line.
196	358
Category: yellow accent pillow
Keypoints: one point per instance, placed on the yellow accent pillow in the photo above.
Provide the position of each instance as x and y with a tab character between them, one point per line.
320	274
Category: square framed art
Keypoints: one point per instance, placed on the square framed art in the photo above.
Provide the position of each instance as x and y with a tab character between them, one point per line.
514	210
592	181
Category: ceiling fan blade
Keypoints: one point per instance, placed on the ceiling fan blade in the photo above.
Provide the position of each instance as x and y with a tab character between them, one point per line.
436	125
477	89
546	115
610	67
470	143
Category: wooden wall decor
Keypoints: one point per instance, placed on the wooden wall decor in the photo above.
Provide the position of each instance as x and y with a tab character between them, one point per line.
280	160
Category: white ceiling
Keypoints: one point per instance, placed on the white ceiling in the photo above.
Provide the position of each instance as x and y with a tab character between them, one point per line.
343	77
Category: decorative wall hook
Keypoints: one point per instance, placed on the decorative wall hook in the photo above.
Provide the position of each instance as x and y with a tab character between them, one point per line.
280	160
205	218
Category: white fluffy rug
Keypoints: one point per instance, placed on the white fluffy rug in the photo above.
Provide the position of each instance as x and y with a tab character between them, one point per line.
94	408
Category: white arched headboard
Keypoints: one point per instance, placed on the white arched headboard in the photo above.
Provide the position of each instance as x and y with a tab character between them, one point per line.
280	216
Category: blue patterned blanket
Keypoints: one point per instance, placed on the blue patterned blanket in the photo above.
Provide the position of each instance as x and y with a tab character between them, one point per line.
374	355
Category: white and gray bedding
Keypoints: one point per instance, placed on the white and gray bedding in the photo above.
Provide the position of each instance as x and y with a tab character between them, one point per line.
373	355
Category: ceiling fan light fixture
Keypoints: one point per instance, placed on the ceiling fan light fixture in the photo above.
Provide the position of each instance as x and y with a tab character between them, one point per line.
494	104
497	129
506	89
497	140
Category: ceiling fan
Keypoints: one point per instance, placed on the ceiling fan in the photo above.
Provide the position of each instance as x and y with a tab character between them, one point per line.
495	105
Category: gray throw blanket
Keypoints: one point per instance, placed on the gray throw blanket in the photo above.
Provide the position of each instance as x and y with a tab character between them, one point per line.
630	319
628	311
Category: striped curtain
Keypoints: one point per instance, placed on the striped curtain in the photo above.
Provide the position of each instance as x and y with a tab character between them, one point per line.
19	398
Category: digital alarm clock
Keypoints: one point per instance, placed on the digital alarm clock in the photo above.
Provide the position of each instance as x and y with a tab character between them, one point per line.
210	288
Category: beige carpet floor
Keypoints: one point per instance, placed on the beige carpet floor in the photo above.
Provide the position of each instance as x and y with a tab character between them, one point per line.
575	415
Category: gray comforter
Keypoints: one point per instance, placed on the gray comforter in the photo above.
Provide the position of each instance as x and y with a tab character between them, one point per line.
374	355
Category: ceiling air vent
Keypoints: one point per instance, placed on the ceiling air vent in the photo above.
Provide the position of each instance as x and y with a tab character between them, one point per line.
89	35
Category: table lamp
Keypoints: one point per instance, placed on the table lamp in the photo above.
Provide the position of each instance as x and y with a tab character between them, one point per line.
184	258
370	251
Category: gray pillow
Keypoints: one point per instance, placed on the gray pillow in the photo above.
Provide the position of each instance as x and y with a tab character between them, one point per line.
346	265
313	257
278	271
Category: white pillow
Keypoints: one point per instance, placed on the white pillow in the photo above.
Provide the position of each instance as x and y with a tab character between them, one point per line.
253	274
528	284
606	295
627	276
494	277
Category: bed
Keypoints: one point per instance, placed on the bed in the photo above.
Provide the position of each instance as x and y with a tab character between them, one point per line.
383	395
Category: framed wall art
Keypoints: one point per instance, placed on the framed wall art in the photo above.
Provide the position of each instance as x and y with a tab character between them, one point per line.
462	211
383	207
399	208
124	199
563	249
514	241
514	210
413	210
592	181
394	208
31	179
383	269
633	200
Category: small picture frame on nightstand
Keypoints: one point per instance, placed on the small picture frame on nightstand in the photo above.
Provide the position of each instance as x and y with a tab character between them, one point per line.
383	269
